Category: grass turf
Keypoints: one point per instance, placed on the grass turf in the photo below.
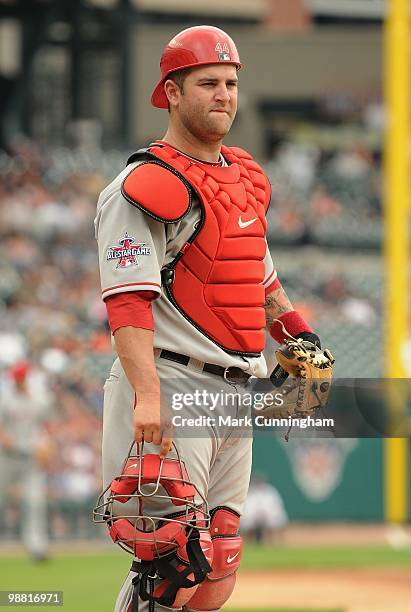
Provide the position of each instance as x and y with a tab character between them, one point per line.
266	557
90	581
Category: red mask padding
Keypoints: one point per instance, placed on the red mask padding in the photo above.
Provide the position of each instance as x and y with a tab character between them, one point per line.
147	544
127	484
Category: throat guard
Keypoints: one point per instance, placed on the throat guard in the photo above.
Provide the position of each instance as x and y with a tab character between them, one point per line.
216	279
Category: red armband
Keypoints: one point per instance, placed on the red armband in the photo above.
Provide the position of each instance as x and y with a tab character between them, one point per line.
130	308
292	322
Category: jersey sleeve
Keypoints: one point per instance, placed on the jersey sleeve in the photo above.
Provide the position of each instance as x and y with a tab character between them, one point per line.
270	278
131	247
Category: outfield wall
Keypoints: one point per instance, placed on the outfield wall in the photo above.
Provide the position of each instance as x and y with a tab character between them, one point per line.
324	479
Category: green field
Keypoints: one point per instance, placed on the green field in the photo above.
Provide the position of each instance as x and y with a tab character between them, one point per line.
90	581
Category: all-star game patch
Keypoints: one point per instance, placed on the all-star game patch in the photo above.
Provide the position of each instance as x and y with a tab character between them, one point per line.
128	253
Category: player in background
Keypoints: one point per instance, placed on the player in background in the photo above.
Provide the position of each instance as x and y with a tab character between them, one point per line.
25	405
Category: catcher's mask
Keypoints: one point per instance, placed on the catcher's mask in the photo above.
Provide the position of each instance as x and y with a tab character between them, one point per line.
175	548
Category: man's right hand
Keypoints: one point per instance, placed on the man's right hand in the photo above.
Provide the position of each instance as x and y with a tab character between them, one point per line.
150	425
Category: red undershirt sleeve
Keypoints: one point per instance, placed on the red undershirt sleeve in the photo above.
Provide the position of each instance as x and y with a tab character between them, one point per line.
130	308
273	286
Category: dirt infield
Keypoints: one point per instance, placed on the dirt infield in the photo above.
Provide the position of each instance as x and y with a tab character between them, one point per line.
352	590
346	534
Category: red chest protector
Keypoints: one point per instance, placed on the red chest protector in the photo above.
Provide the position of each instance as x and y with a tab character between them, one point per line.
216	279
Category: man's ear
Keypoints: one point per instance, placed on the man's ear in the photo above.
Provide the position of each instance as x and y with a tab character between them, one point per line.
172	92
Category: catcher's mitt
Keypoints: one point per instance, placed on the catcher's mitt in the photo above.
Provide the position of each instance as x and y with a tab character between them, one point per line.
303	378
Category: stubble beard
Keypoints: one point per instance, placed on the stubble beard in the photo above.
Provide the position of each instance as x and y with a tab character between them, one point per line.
206	127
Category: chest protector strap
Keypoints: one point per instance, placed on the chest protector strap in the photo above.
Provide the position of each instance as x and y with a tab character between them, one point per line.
216	279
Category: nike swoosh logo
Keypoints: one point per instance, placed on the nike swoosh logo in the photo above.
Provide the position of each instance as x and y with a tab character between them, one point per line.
244	224
230	559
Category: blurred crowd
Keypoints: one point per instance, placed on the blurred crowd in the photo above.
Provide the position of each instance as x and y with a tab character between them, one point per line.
327	196
51	313
52	316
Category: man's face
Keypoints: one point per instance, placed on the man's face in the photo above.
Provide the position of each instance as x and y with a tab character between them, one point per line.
208	104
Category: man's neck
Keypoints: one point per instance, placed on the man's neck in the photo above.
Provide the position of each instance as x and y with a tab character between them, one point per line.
209	152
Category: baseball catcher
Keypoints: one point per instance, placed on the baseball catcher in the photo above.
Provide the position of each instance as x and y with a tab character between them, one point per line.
190	289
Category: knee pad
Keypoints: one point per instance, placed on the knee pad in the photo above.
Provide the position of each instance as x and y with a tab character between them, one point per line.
217	587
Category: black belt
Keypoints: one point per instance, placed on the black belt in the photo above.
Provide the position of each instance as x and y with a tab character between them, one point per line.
232	374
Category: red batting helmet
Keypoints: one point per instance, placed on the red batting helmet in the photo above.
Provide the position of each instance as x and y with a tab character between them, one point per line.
195	46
